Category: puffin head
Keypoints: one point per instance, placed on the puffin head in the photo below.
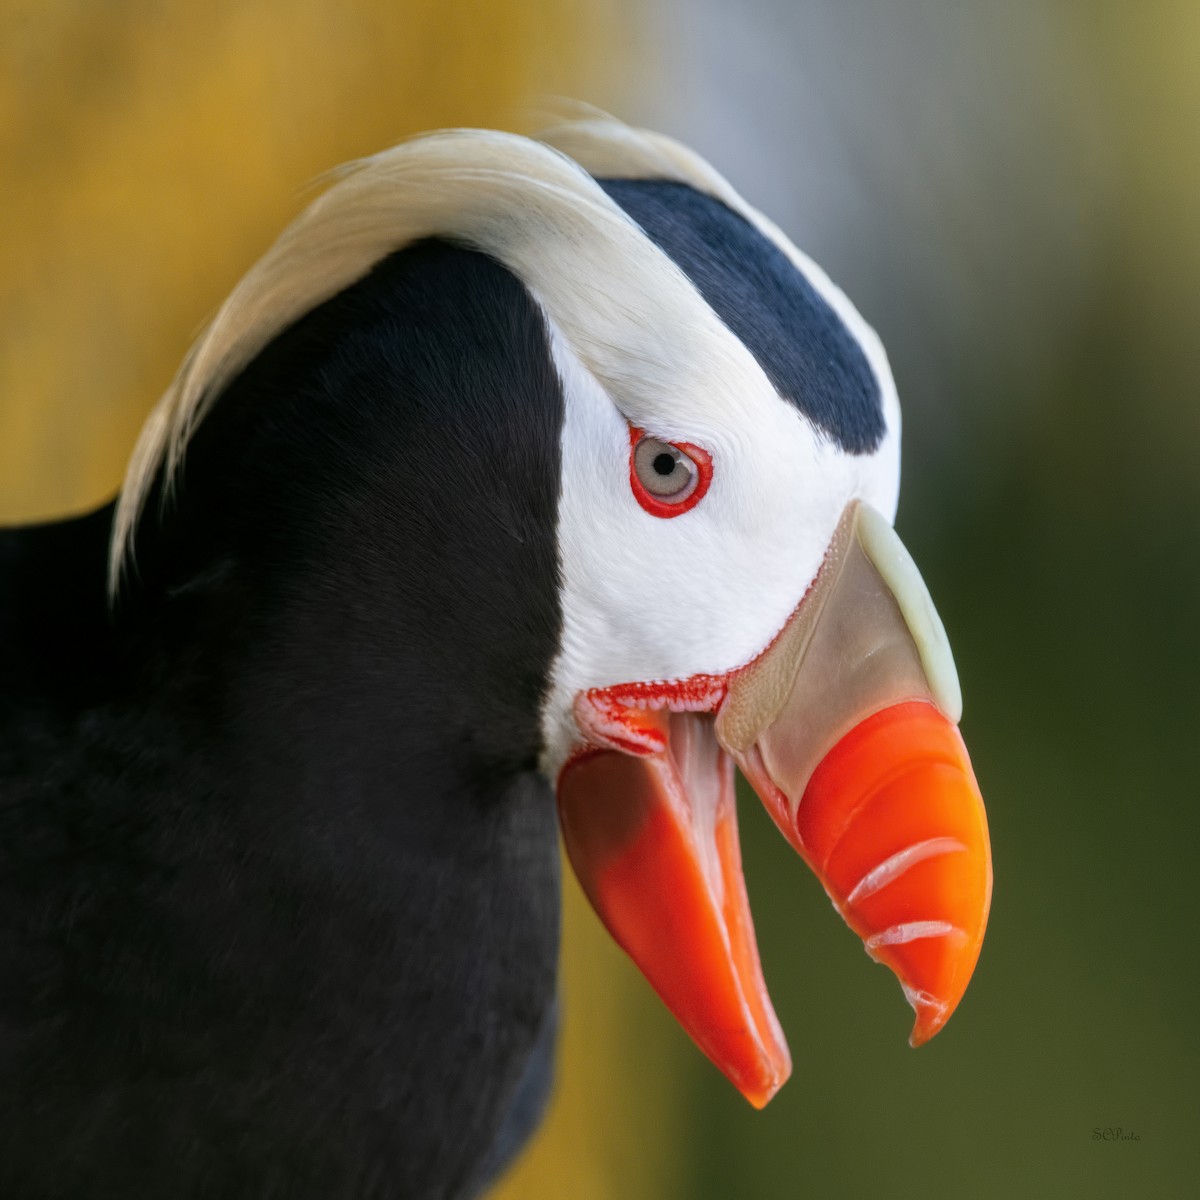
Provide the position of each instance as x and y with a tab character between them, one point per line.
731	590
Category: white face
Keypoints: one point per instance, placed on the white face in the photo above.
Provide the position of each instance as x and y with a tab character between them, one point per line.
651	598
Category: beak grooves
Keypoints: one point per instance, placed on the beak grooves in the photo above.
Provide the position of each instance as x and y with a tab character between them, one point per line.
893	824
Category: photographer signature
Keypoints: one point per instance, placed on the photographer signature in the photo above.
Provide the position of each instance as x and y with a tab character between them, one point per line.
1114	1133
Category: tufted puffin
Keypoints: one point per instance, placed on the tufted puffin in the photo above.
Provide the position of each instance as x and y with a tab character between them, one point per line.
523	487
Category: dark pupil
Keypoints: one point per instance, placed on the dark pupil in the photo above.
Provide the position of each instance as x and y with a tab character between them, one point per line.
664	464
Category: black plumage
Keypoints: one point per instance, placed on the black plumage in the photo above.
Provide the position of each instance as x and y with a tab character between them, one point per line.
279	881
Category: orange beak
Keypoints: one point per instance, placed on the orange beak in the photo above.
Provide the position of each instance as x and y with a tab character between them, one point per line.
846	728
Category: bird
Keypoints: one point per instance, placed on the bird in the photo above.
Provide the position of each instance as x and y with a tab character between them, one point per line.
526	488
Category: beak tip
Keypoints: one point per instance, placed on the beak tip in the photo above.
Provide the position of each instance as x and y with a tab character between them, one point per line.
761	1093
760	1100
922	1031
932	1014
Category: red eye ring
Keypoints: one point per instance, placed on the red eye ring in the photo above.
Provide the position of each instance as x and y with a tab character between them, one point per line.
657	506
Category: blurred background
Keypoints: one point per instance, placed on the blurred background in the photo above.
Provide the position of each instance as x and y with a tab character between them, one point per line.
1009	194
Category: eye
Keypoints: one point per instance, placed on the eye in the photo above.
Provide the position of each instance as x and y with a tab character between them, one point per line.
667	478
664	470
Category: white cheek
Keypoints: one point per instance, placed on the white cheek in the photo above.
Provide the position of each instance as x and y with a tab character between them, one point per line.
647	598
